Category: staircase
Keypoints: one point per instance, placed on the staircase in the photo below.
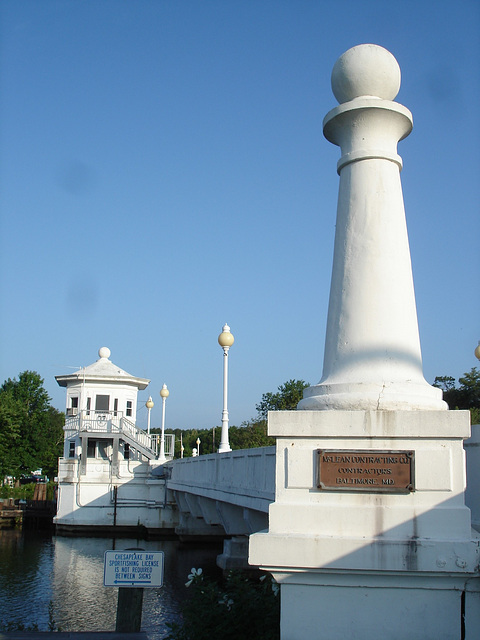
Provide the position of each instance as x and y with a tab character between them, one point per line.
137	439
108	424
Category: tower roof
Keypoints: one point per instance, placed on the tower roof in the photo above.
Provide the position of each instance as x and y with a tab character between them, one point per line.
102	370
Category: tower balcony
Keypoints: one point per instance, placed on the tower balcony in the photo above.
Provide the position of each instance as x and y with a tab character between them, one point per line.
104	424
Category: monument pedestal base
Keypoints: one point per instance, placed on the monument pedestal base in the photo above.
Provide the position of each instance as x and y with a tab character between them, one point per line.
357	558
392	607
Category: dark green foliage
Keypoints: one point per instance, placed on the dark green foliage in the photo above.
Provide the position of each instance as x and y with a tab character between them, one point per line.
287	397
189	439
446	383
31	430
465	396
23	492
9	433
53	442
242	607
248	436
26	491
470	389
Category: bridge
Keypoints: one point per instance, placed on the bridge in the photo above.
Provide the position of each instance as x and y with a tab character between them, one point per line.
220	495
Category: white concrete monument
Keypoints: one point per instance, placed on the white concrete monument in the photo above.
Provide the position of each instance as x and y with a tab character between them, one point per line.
369	535
372	347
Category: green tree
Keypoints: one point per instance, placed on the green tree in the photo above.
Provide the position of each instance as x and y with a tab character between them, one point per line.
446	383
9	433
286	398
465	396
53	438
250	435
470	389
31	430
188	438
239	607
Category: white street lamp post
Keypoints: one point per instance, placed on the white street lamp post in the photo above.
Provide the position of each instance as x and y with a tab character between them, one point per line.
149	404
225	340
198	446
164	393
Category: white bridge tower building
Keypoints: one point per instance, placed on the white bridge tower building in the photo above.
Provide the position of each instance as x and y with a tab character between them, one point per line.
105	473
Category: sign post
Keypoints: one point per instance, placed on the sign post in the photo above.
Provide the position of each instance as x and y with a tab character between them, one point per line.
131	570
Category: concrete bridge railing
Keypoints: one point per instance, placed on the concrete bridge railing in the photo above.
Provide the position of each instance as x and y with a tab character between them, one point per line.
472	493
224	494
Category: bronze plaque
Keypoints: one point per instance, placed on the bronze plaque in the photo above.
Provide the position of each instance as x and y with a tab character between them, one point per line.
371	471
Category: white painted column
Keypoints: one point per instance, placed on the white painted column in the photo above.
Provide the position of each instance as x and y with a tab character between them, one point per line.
372	349
225	340
149	404
164	393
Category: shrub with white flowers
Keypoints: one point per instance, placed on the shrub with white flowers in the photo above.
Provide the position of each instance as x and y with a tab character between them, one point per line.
195	573
241	606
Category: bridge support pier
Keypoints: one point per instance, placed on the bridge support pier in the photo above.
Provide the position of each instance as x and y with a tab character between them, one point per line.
235	554
192	525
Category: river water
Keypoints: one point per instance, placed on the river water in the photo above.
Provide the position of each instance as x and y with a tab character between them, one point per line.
47	580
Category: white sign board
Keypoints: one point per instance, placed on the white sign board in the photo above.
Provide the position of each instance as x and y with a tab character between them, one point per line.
131	568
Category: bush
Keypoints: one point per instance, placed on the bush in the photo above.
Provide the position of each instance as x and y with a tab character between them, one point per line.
240	608
26	491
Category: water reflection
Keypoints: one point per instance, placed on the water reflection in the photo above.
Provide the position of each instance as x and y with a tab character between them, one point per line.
66	575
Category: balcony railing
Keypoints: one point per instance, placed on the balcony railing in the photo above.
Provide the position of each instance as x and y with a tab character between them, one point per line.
169	444
137	434
114	422
90	420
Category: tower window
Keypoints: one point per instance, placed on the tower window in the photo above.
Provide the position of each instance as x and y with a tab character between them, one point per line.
102	403
72	410
129	408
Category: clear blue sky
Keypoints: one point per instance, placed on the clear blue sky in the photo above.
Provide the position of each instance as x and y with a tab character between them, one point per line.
163	171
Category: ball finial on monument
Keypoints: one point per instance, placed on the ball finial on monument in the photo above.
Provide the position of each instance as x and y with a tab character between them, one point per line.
366	70
104	352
